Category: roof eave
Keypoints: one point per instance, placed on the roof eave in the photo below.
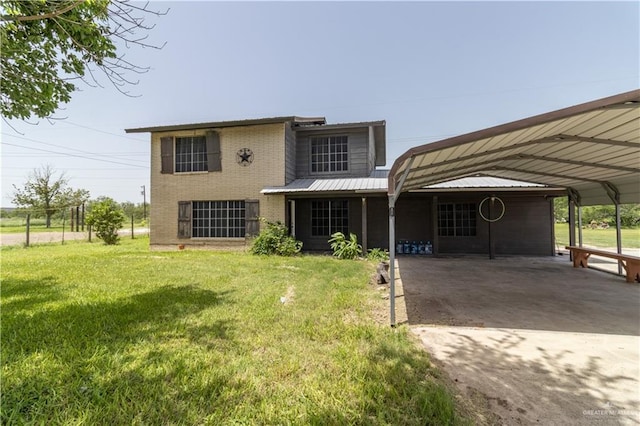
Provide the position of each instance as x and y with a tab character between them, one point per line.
231	123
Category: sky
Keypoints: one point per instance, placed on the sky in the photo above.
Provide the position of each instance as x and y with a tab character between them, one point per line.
432	70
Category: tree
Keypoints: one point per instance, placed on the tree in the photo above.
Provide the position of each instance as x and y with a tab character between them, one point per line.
132	209
48	45
561	209
106	217
46	193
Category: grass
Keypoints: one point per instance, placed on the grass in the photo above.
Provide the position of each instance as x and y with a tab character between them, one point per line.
605	238
93	334
16	225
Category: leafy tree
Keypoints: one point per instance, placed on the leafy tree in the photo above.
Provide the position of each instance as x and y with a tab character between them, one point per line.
47	193
561	209
629	213
106	217
135	210
47	45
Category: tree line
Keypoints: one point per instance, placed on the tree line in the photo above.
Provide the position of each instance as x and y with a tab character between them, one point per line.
604	215
47	194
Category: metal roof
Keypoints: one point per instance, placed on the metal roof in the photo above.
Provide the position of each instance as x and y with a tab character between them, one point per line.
334	126
592	149
483	182
301	121
377	183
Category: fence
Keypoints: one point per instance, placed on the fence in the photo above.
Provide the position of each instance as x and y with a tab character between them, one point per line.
73	229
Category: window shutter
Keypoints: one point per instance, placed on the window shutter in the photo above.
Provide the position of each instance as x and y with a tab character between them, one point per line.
184	219
251	218
214	156
166	154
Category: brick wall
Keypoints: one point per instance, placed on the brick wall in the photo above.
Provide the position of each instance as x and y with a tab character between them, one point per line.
232	183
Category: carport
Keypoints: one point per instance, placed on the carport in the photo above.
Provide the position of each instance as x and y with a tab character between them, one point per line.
592	150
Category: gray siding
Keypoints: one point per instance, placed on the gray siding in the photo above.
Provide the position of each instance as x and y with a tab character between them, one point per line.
359	157
525	229
372	149
303	224
290	154
378	222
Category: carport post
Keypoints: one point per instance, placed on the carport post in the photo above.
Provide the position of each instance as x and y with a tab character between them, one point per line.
572	222
579	225
394	192
392	260
614	194
365	245
574	200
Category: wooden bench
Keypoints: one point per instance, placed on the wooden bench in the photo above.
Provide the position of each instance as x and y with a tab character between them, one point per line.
631	264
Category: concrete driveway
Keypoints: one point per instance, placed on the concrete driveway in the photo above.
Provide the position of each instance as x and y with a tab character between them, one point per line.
536	340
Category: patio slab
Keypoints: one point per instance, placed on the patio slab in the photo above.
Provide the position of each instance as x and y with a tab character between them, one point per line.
541	342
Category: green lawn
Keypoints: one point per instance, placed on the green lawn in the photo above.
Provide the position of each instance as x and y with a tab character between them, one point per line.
605	238
19	225
93	334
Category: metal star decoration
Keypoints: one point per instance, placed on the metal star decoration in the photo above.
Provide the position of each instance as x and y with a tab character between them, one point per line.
244	156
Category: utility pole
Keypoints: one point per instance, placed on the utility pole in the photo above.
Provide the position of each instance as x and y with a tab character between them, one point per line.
144	203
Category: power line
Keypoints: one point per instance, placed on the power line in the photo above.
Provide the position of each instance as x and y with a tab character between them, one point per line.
56	145
30	154
72	168
104	131
76	155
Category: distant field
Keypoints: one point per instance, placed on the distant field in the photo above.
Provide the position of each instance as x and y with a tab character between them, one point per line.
599	237
19	224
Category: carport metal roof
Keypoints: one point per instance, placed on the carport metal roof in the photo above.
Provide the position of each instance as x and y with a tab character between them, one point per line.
592	149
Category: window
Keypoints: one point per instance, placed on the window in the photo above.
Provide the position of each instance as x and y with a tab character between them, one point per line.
457	220
191	154
217	219
328	217
329	154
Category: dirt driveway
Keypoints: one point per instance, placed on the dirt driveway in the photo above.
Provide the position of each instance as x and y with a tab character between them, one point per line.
534	339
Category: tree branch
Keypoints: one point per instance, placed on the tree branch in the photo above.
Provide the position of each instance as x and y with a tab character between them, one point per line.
43	16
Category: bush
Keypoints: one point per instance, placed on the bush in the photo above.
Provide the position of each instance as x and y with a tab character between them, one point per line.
343	248
106	217
378	255
275	239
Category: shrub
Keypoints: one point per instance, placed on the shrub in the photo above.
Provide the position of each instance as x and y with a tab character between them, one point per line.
344	248
275	239
377	255
106	217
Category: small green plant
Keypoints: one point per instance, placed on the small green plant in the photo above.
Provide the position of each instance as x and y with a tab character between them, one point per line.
378	255
275	239
106	217
344	248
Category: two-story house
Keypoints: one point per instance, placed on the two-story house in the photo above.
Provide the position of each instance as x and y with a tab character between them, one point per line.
210	182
